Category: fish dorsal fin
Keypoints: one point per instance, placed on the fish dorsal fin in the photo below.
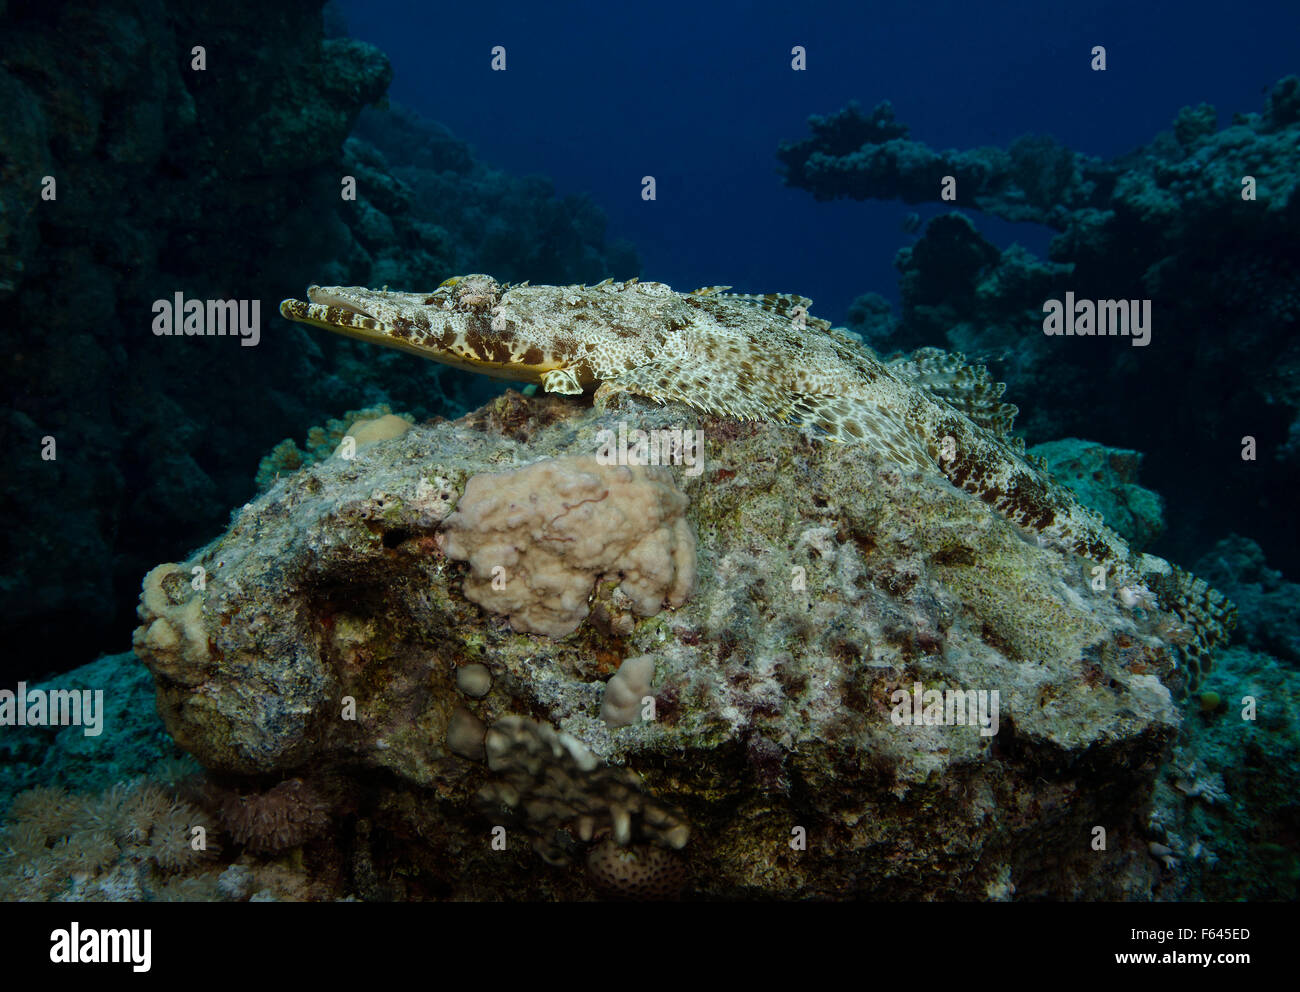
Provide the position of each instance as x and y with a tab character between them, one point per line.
783	305
709	290
969	388
776	302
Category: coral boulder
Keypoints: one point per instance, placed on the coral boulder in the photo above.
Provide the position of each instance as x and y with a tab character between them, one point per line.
879	686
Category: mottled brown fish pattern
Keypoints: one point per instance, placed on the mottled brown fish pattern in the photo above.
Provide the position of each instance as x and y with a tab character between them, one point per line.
760	357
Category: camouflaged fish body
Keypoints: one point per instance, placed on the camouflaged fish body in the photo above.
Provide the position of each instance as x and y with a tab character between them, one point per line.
760	358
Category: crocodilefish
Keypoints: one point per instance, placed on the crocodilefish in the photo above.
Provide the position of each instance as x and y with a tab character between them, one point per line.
765	357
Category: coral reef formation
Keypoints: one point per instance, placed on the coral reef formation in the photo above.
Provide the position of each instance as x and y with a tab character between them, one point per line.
131	741
1105	479
780	759
468	659
122	844
1225	806
168	177
1167	222
149	840
753	358
374	423
1269	604
213	180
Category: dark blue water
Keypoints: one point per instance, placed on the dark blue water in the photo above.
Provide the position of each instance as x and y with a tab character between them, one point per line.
598	95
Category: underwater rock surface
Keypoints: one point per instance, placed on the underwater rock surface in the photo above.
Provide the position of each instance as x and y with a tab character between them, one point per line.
330	630
1227	803
131	739
1105	479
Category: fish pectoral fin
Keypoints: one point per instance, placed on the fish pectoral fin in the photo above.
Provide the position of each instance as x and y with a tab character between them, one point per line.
725	391
860	420
561	381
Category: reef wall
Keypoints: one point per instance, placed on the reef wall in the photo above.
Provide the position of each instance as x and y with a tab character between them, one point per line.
156	148
1172	222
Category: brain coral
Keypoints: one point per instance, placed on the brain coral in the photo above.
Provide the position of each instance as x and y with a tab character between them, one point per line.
539	538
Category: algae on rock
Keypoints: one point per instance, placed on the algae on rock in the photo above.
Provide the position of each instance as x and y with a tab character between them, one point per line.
332	626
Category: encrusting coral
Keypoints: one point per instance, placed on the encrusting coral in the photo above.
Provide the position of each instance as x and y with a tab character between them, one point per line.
539	538
827	581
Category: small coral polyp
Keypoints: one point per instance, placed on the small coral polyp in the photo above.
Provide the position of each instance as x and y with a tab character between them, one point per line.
132	841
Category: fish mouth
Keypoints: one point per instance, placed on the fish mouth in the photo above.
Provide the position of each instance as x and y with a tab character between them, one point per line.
341	314
325	309
344	313
317	295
